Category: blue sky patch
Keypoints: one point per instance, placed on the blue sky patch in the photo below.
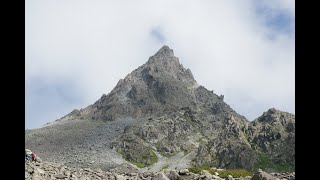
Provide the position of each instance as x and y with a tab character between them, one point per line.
158	35
47	101
278	20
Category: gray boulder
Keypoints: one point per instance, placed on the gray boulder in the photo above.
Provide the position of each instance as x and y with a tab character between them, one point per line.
261	175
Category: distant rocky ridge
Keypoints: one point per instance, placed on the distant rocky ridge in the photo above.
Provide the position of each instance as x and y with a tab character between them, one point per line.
159	116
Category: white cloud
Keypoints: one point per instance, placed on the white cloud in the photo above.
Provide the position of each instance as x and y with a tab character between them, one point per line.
224	43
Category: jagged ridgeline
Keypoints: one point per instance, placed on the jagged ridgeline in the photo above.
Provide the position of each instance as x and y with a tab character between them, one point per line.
159	116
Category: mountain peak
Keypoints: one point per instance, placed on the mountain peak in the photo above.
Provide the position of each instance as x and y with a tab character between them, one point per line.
275	115
165	50
164	61
164	55
160	109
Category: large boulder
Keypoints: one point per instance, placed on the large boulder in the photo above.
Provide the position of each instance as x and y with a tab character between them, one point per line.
160	176
184	172
173	175
261	175
120	177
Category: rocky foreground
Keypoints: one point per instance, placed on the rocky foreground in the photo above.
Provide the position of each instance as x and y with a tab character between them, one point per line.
47	170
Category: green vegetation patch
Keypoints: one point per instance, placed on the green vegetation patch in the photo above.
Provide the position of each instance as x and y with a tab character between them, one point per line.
150	158
154	157
236	173
198	169
265	163
146	157
139	165
165	167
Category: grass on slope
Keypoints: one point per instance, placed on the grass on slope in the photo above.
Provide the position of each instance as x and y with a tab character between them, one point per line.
139	165
154	157
144	160
165	167
236	173
149	158
265	163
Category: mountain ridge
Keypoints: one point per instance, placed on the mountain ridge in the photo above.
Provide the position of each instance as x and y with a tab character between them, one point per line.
159	112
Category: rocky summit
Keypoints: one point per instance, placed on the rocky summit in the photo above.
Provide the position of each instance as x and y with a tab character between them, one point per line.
159	117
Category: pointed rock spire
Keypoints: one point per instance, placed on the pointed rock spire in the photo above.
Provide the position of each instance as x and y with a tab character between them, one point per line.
165	50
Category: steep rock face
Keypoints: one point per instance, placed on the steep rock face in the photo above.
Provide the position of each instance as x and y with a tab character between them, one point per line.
160	110
160	84
273	136
177	115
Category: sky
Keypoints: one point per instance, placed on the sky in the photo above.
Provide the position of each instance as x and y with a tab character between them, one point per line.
77	50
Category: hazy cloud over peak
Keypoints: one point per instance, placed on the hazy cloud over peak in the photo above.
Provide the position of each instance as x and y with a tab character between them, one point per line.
78	50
